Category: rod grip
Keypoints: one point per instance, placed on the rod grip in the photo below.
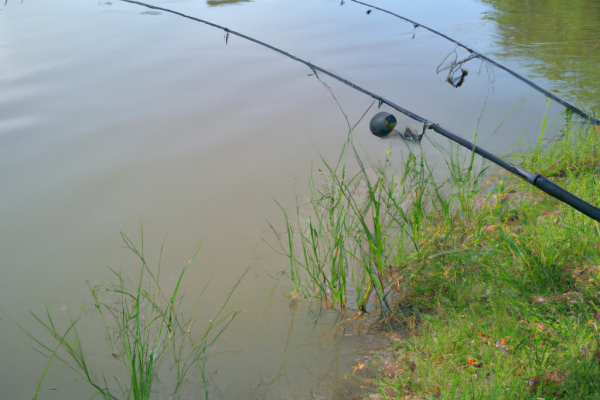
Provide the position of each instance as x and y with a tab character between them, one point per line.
561	194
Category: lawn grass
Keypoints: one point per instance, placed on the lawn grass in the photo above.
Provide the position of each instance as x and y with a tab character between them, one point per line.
490	285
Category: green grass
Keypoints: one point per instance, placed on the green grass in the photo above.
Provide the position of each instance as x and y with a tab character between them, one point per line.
144	327
477	265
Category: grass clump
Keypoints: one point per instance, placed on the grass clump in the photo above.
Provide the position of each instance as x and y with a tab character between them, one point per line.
491	286
144	327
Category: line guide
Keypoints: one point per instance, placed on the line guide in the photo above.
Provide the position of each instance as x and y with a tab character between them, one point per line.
539	181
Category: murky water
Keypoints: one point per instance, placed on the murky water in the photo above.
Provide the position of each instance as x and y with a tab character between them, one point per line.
112	116
556	42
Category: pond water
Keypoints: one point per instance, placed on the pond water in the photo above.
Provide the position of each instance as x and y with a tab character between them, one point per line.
112	116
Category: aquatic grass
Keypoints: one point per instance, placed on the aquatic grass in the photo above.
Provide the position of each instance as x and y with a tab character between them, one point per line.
361	226
144	328
73	348
473	264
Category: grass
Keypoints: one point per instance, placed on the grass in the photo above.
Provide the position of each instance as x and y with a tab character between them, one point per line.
491	285
144	327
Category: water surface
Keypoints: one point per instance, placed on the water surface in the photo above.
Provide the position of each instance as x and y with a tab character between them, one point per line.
557	43
112	116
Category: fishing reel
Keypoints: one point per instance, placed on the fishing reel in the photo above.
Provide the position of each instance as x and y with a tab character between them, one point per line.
383	123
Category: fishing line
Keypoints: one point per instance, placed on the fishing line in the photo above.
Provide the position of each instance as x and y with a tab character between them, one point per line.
536	180
453	66
565	103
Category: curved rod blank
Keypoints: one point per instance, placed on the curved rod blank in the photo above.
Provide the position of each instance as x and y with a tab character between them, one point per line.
479	55
534	179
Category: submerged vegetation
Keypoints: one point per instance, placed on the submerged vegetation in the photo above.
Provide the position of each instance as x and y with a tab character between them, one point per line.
491	286
144	327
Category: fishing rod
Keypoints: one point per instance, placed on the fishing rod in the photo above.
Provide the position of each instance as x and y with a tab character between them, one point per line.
594	122
536	180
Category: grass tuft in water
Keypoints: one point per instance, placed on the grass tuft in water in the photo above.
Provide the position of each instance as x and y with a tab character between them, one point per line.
144	328
359	230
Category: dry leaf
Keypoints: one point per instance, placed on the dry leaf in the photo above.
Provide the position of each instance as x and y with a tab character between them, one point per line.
540	326
556	376
537	299
550	379
413	366
392	368
550	213
358	366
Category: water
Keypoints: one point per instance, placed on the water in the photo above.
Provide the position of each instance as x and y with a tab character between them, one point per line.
111	117
557	43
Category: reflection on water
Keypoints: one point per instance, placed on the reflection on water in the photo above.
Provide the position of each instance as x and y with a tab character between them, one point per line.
558	40
216	3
